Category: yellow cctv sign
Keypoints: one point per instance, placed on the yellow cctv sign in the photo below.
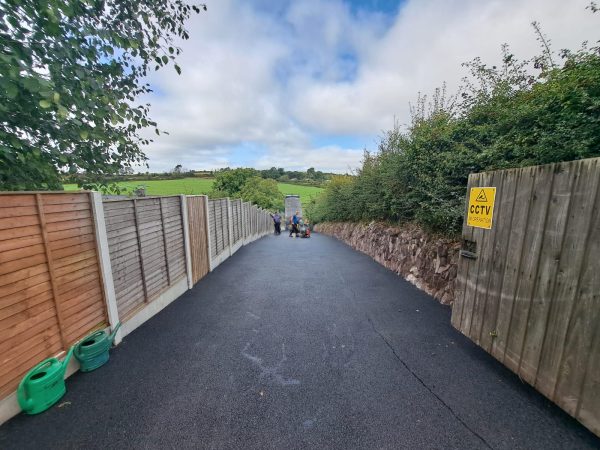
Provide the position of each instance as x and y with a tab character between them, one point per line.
481	207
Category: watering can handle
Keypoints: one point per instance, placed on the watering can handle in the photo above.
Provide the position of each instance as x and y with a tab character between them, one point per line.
78	347
21	394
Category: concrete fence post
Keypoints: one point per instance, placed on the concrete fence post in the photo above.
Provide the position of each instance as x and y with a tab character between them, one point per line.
108	284
230	225
186	241
208	235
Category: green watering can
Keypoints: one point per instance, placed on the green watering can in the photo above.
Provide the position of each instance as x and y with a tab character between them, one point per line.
43	385
92	351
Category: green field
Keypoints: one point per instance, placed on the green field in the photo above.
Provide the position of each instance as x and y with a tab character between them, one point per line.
189	186
305	192
195	186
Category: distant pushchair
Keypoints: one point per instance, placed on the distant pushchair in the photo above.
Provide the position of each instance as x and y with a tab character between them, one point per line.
303	230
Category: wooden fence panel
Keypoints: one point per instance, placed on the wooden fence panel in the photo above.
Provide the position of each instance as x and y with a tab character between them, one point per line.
198	237
51	294
532	295
219	226
146	246
236	209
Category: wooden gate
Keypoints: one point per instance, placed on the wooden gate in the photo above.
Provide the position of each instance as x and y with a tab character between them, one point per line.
529	288
197	207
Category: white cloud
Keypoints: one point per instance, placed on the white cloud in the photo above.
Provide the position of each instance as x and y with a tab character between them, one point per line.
277	78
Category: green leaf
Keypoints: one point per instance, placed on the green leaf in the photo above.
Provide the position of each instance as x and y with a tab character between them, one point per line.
12	91
178	69
83	134
45	104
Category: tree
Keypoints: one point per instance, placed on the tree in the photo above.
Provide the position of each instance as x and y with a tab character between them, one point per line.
229	182
262	192
70	74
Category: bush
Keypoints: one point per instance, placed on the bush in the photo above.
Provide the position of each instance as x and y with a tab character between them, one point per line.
503	118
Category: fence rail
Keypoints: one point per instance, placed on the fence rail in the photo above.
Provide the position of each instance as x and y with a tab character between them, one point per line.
531	297
71	263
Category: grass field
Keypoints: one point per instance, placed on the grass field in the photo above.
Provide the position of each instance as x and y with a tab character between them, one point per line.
195	186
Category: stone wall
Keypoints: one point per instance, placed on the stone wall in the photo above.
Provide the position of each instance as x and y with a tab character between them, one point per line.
429	262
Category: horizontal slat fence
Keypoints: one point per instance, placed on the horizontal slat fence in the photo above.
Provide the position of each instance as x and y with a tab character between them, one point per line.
71	263
146	244
51	293
531	297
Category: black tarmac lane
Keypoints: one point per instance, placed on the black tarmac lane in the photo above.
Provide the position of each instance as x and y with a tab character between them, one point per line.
292	344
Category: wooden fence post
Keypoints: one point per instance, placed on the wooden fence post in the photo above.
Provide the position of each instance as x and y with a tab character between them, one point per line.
186	240
105	265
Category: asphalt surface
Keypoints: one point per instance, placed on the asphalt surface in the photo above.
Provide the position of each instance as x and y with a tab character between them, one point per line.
296	343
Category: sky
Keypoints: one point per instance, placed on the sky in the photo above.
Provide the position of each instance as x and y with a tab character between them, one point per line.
307	83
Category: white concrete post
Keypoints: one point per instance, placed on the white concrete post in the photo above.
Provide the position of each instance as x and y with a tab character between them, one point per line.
230	225
209	240
186	241
105	265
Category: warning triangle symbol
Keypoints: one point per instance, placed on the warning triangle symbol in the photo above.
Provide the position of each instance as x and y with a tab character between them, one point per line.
481	197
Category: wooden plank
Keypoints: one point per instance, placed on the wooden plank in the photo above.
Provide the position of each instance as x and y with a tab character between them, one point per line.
18	317
85	327
28	332
90	261
87	306
22	295
165	244
15	354
55	246
84	230
523	196
20	253
558	211
15	201
75	254
24	307
18	222
68	216
76	225
65	288
18	211
50	262
485	250
48	315
532	246
19	243
19	264
22	275
464	264
57	199
72	276
66	207
584	317
90	286
67	252
142	271
565	289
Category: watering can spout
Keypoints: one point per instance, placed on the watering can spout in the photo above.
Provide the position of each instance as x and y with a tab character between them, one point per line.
65	361
112	335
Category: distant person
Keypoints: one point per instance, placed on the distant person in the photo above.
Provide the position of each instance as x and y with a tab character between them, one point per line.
276	222
294	222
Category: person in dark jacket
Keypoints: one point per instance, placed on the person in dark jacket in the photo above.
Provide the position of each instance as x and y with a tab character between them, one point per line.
276	222
294	223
